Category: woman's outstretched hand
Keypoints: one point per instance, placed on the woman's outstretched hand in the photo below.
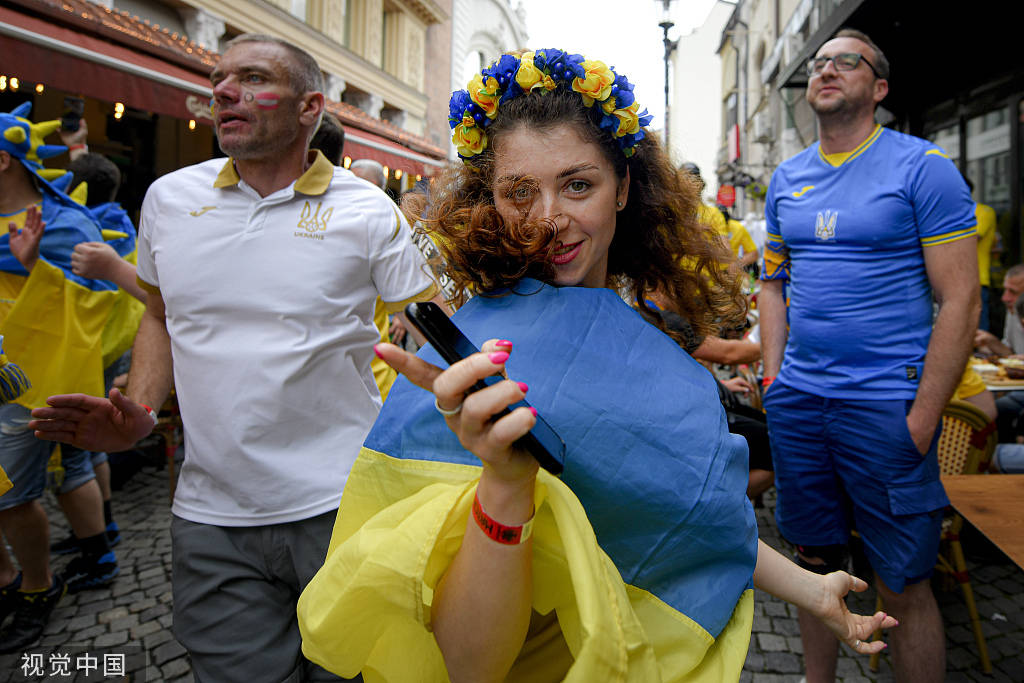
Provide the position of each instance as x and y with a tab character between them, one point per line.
472	414
822	596
855	630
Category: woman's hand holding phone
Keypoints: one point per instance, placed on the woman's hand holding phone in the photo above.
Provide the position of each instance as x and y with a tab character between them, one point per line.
490	440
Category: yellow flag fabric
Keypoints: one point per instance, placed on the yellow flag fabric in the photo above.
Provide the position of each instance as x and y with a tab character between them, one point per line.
5	482
368	609
58	351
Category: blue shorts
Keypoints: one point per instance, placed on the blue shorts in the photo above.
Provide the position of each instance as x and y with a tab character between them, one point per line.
24	458
844	464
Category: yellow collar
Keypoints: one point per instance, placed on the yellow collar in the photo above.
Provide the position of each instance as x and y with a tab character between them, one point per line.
839	158
315	180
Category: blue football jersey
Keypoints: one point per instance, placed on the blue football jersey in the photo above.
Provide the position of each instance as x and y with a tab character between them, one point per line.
848	232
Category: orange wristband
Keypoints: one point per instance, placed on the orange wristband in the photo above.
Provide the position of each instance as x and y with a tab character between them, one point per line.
767	381
498	532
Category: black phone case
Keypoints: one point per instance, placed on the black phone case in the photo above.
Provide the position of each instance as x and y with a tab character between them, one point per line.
542	442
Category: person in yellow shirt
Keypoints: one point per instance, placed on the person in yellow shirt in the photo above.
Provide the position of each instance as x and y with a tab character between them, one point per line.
718	219
740	239
986	229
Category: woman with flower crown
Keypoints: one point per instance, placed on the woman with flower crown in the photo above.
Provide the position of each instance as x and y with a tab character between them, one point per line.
454	556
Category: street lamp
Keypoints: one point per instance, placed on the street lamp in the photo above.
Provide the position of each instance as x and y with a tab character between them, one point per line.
670	45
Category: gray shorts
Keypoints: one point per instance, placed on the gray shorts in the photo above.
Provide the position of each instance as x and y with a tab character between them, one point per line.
235	590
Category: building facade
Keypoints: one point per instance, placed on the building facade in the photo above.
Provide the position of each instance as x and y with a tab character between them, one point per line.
142	68
695	122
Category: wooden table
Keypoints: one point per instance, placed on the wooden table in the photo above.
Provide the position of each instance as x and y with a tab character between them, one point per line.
994	503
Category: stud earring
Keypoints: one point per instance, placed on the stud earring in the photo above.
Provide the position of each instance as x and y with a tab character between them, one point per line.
618	204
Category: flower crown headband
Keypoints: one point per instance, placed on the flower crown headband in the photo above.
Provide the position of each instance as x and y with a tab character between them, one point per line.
472	111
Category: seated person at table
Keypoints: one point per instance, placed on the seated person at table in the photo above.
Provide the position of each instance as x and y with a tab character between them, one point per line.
972	389
1012	342
453	556
1010	405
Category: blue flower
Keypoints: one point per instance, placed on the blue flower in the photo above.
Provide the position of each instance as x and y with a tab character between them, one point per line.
543	58
622	91
608	122
458	106
503	70
645	120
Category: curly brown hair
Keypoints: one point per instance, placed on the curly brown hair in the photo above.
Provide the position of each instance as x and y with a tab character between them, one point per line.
659	248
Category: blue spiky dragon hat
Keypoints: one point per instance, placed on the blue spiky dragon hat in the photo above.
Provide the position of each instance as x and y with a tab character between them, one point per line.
23	139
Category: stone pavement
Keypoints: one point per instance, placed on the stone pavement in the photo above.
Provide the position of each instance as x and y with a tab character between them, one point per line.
134	614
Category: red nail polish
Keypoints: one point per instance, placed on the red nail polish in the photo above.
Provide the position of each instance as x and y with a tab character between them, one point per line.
533	410
885	645
377	351
498	357
503	342
523	387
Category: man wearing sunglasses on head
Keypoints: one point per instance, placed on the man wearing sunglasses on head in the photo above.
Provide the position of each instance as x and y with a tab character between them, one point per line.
865	226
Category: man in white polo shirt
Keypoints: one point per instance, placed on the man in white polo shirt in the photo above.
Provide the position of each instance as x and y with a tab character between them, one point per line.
262	273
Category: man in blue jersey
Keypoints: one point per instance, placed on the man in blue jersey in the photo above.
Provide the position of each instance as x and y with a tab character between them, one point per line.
864	228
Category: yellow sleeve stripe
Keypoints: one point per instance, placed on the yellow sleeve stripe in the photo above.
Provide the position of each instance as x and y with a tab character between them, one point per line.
146	287
426	295
398	225
769	237
948	237
937	152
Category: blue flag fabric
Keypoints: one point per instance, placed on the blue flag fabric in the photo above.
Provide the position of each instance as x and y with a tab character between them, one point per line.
67	224
648	455
112	216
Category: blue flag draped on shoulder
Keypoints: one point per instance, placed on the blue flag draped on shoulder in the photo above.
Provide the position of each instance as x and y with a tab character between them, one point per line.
644	548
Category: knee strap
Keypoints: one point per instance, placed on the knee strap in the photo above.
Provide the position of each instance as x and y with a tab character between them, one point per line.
834	557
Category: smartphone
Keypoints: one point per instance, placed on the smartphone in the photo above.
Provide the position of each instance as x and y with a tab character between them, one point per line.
74	108
542	442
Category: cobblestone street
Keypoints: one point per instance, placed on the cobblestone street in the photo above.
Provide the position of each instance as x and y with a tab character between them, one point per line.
134	614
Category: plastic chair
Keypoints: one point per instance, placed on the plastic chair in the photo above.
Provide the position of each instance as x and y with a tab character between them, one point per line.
966	445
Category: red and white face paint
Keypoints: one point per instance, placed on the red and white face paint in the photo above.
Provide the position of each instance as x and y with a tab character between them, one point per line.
266	101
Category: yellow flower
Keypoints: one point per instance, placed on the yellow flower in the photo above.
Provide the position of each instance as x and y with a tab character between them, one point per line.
608	105
629	122
485	95
469	138
528	76
597	85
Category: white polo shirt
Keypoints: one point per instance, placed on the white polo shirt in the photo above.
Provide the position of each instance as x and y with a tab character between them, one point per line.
270	313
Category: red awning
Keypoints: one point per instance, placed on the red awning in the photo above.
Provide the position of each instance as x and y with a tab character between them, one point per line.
39	52
360	144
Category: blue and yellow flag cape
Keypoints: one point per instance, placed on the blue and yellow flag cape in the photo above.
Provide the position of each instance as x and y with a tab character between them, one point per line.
644	548
52	320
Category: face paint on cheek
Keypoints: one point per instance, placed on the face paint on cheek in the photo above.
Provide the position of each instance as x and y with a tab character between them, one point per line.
267	100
